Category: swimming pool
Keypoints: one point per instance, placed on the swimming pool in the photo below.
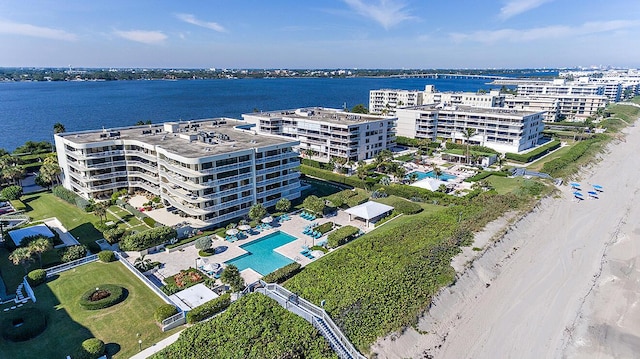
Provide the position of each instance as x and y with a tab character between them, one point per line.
422	175
261	257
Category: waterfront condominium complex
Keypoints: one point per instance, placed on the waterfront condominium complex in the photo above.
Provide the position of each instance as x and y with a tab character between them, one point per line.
212	170
501	129
558	87
385	101
326	132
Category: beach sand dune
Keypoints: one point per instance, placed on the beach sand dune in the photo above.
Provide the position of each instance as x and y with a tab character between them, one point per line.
564	281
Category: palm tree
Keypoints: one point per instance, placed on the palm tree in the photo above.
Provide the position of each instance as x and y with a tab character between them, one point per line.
437	171
13	173
58	128
309	152
467	133
100	210
500	161
21	256
399	173
39	246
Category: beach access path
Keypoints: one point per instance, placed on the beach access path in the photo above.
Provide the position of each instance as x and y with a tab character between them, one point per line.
563	282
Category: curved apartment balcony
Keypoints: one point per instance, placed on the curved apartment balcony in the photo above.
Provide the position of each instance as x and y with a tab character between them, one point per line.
145	185
180	181
105	176
219	206
149	177
107	186
188	209
179	169
183	195
147	166
228	192
148	156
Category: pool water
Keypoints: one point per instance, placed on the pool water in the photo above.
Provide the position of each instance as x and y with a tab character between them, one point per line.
261	257
422	175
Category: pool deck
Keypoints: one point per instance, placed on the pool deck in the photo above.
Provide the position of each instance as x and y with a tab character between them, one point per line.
185	258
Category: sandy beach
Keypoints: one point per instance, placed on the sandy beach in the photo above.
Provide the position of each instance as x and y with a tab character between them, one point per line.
563	282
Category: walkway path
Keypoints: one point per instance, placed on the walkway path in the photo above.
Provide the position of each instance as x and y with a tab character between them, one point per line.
157	346
118	217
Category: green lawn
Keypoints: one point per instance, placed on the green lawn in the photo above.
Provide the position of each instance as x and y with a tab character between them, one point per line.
69	324
78	222
504	184
133	222
537	166
427	208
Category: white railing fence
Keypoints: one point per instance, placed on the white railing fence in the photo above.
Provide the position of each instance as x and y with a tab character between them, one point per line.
66	266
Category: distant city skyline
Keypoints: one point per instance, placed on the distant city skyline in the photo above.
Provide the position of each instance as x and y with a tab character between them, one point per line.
320	34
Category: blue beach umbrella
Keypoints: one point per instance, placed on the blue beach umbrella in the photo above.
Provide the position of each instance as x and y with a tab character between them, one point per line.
574	184
593	194
597	187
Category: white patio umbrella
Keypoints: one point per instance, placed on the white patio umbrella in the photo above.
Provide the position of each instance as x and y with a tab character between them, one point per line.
268	219
211	267
232	231
244	227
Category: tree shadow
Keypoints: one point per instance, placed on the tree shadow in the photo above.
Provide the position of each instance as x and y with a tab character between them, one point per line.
112	349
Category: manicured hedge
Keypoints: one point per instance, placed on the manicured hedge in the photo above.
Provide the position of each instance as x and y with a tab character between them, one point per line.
106	256
209	309
18	205
324	228
334	177
113	235
535	154
33	321
118	294
37	277
453	146
149	221
70	197
317	164
282	274
484	174
554	167
92	348
341	236
164	311
147	239
403	206
71	253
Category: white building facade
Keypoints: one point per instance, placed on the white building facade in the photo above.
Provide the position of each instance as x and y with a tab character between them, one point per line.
500	129
329	132
210	170
385	101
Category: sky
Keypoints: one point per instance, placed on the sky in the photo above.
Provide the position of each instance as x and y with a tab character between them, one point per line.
298	34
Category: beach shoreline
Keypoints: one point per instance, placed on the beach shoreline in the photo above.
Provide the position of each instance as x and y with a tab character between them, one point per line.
540	289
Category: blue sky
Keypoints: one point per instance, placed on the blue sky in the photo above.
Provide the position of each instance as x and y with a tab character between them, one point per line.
320	34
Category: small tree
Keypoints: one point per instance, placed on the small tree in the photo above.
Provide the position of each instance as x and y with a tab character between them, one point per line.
283	205
313	204
257	211
468	133
231	276
203	243
12	192
113	235
58	128
359	108
100	210
72	253
21	256
38	246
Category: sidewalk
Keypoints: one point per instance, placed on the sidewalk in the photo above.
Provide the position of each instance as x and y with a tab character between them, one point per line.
157	346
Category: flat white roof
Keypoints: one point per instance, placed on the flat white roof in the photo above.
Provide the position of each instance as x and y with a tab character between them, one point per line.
369	210
17	235
193	297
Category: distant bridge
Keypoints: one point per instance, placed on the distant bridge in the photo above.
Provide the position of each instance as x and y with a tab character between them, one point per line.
451	76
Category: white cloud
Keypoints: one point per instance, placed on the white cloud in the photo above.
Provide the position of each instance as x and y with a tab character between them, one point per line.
386	12
143	36
516	7
14	28
191	19
548	32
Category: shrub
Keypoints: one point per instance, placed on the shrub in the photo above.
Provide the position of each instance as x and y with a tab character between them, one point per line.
92	348
113	235
70	197
106	256
148	238
353	181
535	154
170	288
556	166
282	274
12	192
209	309
164	311
149	221
203	243
231	276
18	205
314	204
33	322
324	228
72	253
341	236
37	277
98	299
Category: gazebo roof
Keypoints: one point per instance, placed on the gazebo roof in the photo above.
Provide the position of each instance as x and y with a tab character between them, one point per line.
369	210
431	184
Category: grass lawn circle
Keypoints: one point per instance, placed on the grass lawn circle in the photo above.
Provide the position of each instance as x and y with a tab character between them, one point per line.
102	296
206	252
22	324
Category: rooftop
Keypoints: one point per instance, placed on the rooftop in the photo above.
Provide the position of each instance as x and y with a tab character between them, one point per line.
331	115
471	109
192	139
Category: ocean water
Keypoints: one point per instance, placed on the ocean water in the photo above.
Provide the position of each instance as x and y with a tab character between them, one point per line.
28	110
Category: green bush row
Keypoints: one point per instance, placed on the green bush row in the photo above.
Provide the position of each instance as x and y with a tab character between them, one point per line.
535	154
149	221
352	181
484	174
18	205
317	164
282	274
70	197
209	309
106	256
341	236
164	311
324	228
403	206
147	239
117	295
457	146
556	166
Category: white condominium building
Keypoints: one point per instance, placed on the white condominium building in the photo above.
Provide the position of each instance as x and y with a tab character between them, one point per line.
476	99
209	169
558	87
385	101
501	129
548	105
329	132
